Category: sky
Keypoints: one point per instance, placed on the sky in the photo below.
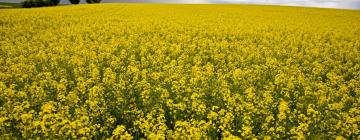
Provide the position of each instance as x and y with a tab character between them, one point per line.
342	4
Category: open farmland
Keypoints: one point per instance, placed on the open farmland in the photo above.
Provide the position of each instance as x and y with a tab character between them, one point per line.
156	71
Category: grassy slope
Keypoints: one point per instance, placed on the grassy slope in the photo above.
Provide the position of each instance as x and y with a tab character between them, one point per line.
4	5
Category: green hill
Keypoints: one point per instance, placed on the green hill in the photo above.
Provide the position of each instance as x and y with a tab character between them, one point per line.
4	5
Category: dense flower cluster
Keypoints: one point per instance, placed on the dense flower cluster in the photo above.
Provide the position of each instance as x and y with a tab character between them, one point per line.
131	71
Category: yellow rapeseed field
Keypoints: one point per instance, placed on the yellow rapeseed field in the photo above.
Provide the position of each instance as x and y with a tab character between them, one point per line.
157	71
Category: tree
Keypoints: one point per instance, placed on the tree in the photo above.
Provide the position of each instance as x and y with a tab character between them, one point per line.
26	4
52	2
39	3
74	1
93	1
55	2
33	3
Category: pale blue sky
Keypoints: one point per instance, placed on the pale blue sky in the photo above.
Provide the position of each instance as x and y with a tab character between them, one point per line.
346	4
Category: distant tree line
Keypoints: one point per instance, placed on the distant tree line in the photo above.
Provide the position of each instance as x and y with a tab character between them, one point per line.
39	3
88	1
42	3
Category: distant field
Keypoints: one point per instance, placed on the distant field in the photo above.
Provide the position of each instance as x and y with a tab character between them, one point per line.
4	5
162	71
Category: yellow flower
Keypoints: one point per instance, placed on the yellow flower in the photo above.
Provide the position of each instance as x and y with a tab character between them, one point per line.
142	71
48	108
121	133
